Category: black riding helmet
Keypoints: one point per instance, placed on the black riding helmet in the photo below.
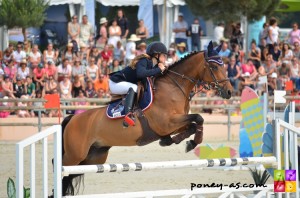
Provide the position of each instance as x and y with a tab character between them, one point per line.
156	48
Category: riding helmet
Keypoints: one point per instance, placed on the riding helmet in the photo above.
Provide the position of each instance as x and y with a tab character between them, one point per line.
156	48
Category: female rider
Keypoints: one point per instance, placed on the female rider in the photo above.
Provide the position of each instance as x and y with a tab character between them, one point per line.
142	66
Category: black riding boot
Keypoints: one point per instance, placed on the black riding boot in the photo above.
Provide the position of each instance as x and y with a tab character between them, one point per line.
129	119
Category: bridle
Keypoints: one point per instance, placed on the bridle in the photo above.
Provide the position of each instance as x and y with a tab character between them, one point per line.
215	84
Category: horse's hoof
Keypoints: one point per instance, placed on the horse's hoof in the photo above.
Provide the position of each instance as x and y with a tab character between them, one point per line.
166	141
190	145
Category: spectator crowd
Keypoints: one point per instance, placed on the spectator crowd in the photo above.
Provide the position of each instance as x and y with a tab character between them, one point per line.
82	68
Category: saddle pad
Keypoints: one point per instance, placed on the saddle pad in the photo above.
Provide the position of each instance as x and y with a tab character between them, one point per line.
116	109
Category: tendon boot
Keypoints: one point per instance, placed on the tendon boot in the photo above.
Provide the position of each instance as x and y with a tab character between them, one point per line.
129	119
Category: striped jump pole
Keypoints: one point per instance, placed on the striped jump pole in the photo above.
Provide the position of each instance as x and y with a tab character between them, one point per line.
102	168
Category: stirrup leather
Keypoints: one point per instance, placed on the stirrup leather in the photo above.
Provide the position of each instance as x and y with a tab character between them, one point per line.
129	119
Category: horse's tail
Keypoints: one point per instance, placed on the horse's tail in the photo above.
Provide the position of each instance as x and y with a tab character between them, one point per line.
68	188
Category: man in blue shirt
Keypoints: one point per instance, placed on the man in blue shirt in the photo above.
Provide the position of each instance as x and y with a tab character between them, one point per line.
224	52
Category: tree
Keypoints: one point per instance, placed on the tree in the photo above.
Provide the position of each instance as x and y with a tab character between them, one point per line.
22	13
232	10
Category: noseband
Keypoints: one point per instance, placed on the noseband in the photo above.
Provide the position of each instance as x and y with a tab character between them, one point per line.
215	84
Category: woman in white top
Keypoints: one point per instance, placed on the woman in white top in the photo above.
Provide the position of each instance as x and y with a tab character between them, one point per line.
273	33
295	72
287	54
65	88
74	29
35	55
50	54
23	70
92	71
114	32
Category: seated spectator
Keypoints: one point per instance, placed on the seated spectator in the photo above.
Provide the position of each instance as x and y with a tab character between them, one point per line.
84	54
69	53
94	53
250	68
23	113
237	54
106	54
233	73
35	55
296	50
19	54
50	70
11	71
114	67
7	57
119	53
65	87
89	90
50	54
78	70
272	83
27	49
224	52
246	81
76	87
287	54
130	49
19	88
30	87
141	48
81	95
39	76
23	70
181	50
264	55
35	113
7	86
142	31
1	88
254	54
172	56
55	112
92	71
114	32
269	67
101	84
1	71
51	86
4	113
283	75
104	69
276	52
63	70
295	73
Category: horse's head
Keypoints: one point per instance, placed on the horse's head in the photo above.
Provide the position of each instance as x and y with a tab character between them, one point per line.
214	75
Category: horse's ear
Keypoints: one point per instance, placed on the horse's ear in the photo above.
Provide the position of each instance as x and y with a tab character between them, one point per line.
210	47
219	48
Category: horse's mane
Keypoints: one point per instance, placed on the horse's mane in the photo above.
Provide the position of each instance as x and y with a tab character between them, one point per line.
183	59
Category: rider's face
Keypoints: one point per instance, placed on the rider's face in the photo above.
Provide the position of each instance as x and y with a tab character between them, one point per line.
162	58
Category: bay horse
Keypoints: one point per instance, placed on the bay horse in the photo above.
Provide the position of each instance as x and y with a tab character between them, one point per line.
87	137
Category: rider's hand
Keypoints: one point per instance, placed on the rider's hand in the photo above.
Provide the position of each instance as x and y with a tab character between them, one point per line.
162	67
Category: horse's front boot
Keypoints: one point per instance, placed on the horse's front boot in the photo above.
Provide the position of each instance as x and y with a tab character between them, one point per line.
166	141
190	145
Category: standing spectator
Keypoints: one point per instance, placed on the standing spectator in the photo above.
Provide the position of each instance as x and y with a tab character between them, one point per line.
23	70
181	50
30	87
102	33
237	35
63	70
131	48
287	54
263	34
142	31
141	48
35	55
219	32
224	52
273	34
11	71
19	54
94	53
233	72
180	28
76	87
195	31
262	46
19	88
254	54
294	35
50	70
119	53
7	87
114	32
39	74
101	85
51	86
296	50
92	71
74	29
123	23
65	87
50	54
106	54
78	70
276	53
86	31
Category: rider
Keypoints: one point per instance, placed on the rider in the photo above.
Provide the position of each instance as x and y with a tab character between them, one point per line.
142	66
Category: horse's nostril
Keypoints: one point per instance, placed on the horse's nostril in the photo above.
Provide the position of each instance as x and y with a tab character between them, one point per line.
229	93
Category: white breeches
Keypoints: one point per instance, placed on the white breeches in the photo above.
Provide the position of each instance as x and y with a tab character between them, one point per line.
121	87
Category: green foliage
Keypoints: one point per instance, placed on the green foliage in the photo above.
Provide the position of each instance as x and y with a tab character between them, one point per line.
22	13
259	177
11	189
26	192
232	10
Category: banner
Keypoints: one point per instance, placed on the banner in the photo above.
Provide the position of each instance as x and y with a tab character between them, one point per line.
146	13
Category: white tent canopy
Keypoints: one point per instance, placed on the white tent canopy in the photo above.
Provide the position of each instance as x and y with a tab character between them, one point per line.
170	3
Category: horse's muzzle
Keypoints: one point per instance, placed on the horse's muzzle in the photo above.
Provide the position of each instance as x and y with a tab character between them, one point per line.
225	93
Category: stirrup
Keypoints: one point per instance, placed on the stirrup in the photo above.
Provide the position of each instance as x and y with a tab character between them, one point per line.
129	120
